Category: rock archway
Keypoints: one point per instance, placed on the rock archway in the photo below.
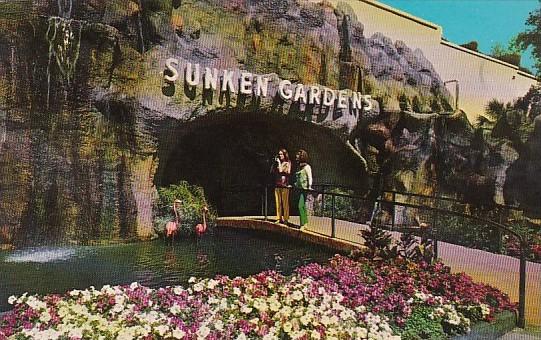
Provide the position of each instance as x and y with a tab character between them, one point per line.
221	152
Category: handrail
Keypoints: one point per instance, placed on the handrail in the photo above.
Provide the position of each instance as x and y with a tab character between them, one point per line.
521	321
443	198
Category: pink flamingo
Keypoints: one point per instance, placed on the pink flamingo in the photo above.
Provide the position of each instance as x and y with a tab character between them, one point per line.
200	229
171	227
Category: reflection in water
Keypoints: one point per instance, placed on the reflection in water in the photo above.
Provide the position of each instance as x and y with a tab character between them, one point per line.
202	259
169	258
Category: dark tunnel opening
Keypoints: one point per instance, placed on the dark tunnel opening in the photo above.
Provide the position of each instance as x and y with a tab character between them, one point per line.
230	156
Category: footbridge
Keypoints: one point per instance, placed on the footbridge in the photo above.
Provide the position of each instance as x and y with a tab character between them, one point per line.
476	246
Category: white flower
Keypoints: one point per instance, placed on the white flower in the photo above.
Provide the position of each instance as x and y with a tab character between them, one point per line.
362	332
297	295
198	287
192	280
305	320
45	317
178	333
125	334
246	310
270	336
325	320
75	333
75	292
211	284
274	305
315	335
175	309
36	304
203	332
162	329
134	285
260	305
360	309
12	299
219	325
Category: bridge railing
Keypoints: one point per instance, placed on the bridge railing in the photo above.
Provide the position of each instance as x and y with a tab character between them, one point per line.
342	214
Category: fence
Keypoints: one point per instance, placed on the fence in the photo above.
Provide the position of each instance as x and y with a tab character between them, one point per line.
337	212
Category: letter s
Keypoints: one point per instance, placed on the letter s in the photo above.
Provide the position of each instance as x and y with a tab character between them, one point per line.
366	100
169	65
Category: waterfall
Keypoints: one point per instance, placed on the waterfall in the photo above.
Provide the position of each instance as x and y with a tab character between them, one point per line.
140	27
64	38
13	73
3	130
64	8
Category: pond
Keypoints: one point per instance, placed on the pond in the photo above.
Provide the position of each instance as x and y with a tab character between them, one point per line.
45	270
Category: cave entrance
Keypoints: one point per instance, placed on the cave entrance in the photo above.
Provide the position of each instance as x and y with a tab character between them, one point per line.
230	155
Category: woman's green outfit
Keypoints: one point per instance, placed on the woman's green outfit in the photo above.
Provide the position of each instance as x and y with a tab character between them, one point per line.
303	179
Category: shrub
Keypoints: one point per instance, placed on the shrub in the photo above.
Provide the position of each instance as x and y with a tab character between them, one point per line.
345	208
421	325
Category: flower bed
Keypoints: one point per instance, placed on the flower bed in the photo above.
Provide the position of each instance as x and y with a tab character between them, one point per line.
534	252
344	299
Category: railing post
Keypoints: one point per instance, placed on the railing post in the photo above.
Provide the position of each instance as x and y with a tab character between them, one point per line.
333	220
323	202
266	202
435	230
393	212
522	286
500	234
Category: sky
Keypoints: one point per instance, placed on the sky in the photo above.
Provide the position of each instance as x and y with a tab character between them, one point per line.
485	21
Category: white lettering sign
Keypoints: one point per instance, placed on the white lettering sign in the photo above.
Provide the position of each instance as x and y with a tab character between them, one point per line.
258	86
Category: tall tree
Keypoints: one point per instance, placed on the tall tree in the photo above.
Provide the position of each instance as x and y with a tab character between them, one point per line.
532	38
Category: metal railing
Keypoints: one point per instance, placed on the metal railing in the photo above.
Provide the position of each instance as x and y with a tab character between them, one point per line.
442	224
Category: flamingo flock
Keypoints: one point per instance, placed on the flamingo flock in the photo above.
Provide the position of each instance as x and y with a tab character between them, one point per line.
172	227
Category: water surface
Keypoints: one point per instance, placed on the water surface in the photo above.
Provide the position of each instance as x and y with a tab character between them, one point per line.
231	252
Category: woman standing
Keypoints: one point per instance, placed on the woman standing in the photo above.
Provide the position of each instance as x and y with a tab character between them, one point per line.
282	170
303	181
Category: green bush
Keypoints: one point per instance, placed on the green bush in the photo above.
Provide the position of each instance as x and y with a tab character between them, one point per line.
193	200
511	58
421	325
346	208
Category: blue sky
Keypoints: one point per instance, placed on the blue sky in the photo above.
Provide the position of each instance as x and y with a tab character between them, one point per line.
486	21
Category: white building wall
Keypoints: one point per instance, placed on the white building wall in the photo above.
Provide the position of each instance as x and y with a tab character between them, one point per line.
481	77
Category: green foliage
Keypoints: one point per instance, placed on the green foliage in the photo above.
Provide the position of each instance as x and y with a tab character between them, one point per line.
531	38
345	208
495	109
408	246
435	105
469	232
424	252
508	54
193	201
404	102
421	325
416	104
378	243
